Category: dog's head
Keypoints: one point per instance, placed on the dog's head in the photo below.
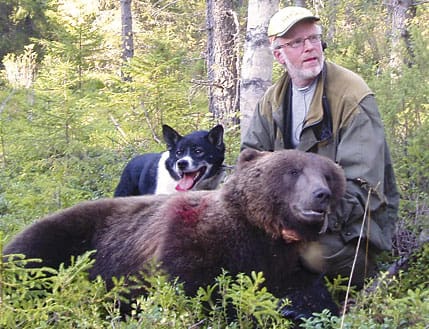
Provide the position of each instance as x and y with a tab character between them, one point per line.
195	160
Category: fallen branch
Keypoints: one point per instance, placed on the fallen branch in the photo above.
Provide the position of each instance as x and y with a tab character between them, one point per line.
394	269
146	115
118	128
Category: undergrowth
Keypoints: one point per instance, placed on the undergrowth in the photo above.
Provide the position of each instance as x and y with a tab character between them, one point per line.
387	302
66	298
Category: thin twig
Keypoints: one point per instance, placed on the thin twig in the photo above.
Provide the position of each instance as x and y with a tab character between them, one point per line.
356	255
198	324
146	115
3	104
118	128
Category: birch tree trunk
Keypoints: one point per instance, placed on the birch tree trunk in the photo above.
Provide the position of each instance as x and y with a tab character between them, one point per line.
222	61
300	3
400	11
256	72
127	33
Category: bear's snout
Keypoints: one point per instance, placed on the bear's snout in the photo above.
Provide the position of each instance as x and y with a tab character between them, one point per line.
313	203
322	195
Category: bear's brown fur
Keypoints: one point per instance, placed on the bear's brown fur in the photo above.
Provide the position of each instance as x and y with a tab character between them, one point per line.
261	219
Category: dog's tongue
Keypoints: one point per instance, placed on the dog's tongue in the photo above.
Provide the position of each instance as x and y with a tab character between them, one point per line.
187	182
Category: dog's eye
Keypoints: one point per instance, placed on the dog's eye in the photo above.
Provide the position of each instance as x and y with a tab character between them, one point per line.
179	153
198	151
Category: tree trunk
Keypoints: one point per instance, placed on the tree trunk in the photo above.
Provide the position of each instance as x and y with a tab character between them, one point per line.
256	72
222	61
300	3
127	33
400	11
331	13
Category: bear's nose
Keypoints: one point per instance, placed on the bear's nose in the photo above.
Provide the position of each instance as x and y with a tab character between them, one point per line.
322	194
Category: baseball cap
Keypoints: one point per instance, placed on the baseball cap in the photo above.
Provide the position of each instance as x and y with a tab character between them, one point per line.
285	18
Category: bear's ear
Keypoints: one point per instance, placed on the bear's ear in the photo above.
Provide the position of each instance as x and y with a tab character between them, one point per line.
171	136
249	155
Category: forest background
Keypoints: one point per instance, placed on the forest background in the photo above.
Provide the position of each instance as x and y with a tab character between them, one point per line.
74	107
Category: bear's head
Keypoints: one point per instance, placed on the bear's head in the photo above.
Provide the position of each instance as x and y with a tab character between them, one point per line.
287	193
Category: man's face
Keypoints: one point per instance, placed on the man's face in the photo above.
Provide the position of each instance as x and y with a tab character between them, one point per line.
305	61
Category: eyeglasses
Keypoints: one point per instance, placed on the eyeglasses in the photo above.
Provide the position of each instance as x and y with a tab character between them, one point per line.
299	42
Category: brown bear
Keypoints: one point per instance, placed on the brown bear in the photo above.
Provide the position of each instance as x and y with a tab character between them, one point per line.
261	219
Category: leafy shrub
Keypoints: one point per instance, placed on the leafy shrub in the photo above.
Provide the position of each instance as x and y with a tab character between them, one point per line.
43	298
65	298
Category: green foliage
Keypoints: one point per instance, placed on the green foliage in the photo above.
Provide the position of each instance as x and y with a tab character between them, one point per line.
42	298
165	306
360	42
67	299
404	105
67	137
419	272
67	132
398	302
323	320
338	288
251	301
23	21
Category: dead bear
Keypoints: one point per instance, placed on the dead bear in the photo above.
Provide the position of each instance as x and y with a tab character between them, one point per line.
261	219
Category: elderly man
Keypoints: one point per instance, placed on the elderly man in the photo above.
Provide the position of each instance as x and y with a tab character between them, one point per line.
318	106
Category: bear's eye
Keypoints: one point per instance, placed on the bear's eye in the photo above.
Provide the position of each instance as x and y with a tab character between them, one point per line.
294	172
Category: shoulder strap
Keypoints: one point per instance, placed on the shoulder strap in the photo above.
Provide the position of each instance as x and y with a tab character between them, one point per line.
326	131
287	117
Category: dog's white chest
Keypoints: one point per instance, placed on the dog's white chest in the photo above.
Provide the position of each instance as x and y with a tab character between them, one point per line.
165	183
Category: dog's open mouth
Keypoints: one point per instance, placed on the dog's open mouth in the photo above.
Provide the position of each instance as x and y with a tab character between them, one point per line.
190	179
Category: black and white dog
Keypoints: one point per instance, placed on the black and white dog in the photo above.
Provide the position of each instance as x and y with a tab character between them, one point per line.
191	162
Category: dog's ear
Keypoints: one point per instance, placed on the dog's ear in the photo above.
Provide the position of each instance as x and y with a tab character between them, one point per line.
215	137
171	136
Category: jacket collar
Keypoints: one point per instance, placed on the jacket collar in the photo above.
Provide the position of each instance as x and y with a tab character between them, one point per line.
318	118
